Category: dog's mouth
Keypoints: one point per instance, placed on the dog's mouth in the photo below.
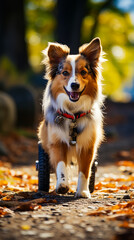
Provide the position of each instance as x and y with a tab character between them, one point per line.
74	96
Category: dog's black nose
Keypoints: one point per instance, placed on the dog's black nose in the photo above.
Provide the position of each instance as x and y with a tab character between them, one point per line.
75	86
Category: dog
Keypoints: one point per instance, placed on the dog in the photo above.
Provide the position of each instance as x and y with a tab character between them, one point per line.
72	107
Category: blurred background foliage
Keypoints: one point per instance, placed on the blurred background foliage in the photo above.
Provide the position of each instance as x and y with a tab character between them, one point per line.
72	22
26	27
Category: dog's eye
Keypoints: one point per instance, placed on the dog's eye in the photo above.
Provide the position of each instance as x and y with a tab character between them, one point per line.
83	72
65	73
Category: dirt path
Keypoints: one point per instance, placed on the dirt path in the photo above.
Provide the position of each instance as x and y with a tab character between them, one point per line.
106	215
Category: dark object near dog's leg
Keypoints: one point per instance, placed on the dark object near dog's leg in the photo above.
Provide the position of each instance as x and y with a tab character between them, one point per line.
92	178
43	169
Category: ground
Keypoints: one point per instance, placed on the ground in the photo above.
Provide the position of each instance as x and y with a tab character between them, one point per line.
28	214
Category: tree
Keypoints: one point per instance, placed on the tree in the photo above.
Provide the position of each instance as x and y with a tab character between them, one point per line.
12	33
70	14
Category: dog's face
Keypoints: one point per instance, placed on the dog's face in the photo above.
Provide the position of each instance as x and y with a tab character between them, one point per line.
74	76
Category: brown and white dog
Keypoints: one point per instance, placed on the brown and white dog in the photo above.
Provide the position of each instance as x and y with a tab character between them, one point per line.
73	122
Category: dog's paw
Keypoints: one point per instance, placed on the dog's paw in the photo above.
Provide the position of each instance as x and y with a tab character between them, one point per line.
83	194
62	188
82	188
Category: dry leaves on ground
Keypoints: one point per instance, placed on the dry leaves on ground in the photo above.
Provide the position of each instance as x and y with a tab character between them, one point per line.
18	189
118	186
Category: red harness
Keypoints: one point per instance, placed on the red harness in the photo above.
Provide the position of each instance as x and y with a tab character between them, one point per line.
73	131
73	117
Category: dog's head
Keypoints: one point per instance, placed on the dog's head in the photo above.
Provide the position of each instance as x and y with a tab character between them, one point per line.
74	77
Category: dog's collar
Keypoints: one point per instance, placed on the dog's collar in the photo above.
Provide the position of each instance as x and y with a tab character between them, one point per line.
70	116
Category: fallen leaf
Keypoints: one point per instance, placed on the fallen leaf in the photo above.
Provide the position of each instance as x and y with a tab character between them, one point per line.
125	224
110	190
33	181
124	187
119	217
5	212
97	213
30	205
98	186
23	206
25	227
7	198
121	211
129	204
125	163
71	190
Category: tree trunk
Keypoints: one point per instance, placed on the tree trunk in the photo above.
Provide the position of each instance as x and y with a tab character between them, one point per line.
12	33
70	14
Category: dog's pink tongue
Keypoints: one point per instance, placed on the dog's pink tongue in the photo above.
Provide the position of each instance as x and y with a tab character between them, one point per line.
74	95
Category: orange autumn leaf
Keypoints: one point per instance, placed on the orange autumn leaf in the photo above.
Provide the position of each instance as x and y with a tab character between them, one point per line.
33	181
96	213
131	185
121	179
110	185
102	185
7	198
120	217
3	182
125	224
119	211
129	204
109	190
30	205
125	163
126	211
131	178
52	187
110	196
5	211
39	206
115	207
123	205
71	190
98	186
124	187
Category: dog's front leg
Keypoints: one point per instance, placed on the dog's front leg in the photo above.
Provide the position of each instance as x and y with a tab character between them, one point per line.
85	159
62	178
58	159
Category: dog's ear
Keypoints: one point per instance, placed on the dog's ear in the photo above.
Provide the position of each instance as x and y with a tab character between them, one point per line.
56	52
91	50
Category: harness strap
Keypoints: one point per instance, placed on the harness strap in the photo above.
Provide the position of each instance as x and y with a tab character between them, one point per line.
73	125
73	117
